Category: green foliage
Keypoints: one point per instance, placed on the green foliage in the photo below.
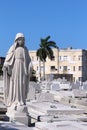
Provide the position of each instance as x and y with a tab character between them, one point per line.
1	72
33	77
45	50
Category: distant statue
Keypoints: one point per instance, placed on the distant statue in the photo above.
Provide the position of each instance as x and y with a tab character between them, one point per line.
16	73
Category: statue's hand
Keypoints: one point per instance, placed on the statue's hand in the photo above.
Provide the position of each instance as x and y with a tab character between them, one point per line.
9	70
4	68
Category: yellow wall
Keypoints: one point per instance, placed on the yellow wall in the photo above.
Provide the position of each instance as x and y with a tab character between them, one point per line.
70	58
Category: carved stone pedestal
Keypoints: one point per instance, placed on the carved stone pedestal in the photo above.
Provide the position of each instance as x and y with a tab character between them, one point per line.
18	115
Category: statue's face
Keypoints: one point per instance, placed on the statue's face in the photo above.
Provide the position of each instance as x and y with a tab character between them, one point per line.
21	41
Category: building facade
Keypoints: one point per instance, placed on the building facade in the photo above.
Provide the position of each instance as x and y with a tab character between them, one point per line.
65	63
2	59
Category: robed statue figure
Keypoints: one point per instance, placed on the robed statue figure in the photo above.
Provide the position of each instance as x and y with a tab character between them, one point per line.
16	73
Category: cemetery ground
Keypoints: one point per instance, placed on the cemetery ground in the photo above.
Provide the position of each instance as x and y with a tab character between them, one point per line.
52	105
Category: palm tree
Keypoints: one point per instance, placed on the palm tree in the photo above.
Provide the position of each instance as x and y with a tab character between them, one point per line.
45	51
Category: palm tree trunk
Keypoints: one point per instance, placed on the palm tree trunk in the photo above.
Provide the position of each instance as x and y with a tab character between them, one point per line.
44	70
58	61
40	69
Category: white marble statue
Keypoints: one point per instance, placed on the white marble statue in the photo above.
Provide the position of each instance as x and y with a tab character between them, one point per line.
16	73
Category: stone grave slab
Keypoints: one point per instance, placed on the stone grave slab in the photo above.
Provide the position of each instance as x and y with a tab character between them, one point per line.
45	96
44	110
79	93
13	126
62	125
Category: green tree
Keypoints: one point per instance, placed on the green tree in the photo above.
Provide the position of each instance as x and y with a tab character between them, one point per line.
33	77
45	51
1	72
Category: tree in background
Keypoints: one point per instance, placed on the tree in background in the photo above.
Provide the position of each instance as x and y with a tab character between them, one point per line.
33	77
45	51
1	72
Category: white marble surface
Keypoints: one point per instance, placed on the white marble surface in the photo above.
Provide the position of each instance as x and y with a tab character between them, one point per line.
13	126
31	92
49	108
45	96
68	125
79	93
1	86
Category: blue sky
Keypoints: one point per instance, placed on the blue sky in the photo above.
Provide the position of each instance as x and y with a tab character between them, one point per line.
64	20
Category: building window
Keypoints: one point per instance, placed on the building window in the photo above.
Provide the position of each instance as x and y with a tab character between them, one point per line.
53	58
80	68
73	68
52	68
65	58
61	68
60	58
80	57
65	68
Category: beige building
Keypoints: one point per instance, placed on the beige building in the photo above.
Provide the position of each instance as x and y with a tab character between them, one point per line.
71	63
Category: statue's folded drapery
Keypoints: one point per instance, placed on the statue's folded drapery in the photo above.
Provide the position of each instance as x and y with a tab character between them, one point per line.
16	73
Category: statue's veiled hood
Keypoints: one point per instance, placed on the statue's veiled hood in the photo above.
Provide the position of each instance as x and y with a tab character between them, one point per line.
19	35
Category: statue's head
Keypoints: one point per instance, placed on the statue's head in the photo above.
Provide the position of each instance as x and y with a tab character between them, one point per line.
20	39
